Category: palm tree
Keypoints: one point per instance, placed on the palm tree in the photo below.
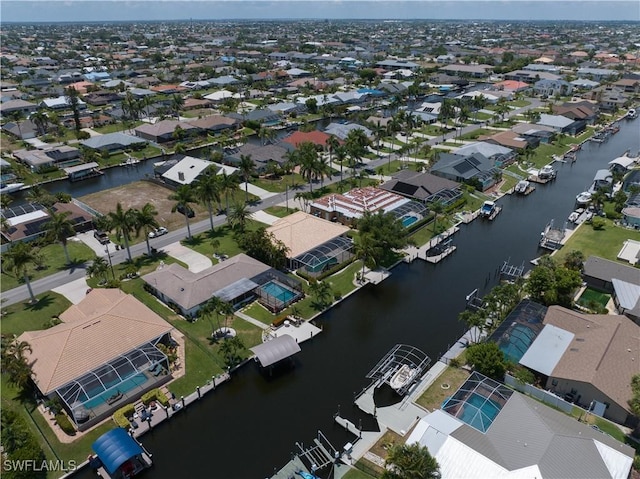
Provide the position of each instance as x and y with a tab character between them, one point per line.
341	156
366	250
437	207
308	157
207	191
412	461
212	306
228	183
60	228
73	98
177	102
321	293
13	361
98	267
40	120
145	221
246	167
17	116
20	258
502	108
183	197
332	144
37	194
238	216
123	222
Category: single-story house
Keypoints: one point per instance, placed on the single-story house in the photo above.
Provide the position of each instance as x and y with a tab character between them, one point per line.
214	123
164	130
317	137
261	155
61	103
37	159
341	130
550	88
473	168
185	171
103	355
313	243
562	124
587	358
22	106
423	187
112	141
23	130
237	280
488	430
347	208
510	139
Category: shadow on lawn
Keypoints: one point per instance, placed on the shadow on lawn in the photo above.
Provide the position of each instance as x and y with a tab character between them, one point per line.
40	304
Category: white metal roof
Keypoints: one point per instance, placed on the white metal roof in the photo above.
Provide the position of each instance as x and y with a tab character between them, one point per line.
546	351
628	294
276	350
34	215
186	170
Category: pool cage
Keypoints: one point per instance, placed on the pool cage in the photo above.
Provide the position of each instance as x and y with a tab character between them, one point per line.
319	259
519	329
446	197
410	209
277	291
95	394
478	401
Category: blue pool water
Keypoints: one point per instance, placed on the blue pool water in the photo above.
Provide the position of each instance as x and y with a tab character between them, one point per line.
278	291
518	341
479	412
408	220
124	387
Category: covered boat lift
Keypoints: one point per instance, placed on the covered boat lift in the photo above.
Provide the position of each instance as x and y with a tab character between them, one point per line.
119	454
275	350
401	356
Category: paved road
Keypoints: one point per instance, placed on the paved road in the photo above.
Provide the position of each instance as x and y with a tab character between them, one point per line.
45	284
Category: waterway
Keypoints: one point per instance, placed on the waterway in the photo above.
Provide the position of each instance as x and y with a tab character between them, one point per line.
249	426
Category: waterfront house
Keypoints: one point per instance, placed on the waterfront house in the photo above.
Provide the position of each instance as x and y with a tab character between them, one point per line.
424	187
347	208
237	281
23	130
341	130
562	124
551	88
472	168
317	137
488	430
261	155
113	141
12	106
103	355
588	359
313	243
215	123
164	130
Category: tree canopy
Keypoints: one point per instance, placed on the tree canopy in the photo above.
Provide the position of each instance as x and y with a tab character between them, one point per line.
410	461
487	359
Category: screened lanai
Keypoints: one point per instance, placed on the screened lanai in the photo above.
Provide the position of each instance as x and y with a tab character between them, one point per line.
320	258
98	391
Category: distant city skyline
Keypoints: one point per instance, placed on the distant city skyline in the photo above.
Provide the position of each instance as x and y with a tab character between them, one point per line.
154	10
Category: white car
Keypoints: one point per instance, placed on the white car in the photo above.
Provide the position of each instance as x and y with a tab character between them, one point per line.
158	232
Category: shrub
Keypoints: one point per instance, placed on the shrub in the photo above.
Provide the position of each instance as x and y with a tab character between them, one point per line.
120	417
597	223
454	363
155	395
65	424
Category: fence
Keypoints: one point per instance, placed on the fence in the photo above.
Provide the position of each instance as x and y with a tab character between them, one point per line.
544	396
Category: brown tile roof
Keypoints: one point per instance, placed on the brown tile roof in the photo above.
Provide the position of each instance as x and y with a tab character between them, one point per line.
316	137
105	324
302	232
605	351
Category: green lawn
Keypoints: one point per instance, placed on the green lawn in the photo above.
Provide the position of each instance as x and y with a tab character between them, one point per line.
21	317
203	243
54	261
117	127
434	396
259	312
354	473
605	243
279	185
507	183
280	211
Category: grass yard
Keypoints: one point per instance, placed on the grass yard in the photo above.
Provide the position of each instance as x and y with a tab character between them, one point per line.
605	243
355	473
21	317
280	211
435	395
590	295
259	312
222	236
54	261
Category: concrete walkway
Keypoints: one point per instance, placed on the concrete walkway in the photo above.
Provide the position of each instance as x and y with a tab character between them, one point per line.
264	217
251	320
195	261
255	190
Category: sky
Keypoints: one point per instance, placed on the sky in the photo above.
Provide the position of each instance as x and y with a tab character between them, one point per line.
121	10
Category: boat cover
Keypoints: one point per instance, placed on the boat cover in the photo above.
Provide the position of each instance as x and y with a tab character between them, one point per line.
114	448
275	350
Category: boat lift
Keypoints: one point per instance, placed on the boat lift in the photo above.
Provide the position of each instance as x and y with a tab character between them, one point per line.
511	273
399	356
319	455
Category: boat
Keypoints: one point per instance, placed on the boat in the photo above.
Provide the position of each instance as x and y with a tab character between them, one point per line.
547	172
521	187
11	187
584	198
632	114
402	377
490	210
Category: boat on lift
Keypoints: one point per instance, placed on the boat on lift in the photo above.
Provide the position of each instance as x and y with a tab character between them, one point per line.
11	187
403	376
521	187
584	198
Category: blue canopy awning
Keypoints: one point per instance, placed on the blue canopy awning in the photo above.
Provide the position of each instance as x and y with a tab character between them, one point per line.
114	448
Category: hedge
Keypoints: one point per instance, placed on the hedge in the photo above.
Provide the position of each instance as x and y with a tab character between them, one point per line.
120	417
65	424
155	395
327	272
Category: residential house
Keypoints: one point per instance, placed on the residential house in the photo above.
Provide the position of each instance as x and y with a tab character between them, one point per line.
474	71
551	88
11	107
40	159
113	142
424	187
472	168
165	130
510	139
562	124
597	74
501	156
261	155
341	130
577	111
317	137
215	123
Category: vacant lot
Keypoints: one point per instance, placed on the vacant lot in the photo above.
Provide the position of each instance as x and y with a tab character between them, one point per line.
135	195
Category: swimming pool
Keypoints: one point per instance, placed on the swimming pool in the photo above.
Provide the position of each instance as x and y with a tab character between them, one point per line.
479	412
515	342
408	220
279	291
124	387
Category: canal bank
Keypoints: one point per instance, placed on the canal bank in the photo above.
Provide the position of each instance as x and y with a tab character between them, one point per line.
251	424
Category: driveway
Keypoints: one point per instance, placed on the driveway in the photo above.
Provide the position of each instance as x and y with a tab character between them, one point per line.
74	291
195	261
259	192
264	217
98	248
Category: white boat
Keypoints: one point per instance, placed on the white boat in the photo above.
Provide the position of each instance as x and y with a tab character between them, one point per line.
488	208
402	377
547	171
573	217
583	198
11	187
632	114
521	187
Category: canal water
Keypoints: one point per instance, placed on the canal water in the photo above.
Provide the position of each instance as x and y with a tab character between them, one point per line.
249	426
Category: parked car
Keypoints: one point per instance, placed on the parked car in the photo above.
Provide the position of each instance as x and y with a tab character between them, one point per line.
189	212
101	236
158	232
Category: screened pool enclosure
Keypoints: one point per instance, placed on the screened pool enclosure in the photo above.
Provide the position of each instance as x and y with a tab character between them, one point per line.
333	252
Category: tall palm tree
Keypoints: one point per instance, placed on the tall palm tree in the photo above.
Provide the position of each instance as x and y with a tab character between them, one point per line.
145	221
246	167
123	222
40	120
207	191
228	183
73	98
341	156
366	250
17	116
21	257
308	157
60	228
332	144
37	194
98	267
183	197
177	102
437	207
238	216
212	306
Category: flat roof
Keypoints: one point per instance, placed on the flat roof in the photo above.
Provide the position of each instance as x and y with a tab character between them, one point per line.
85	166
34	215
547	349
